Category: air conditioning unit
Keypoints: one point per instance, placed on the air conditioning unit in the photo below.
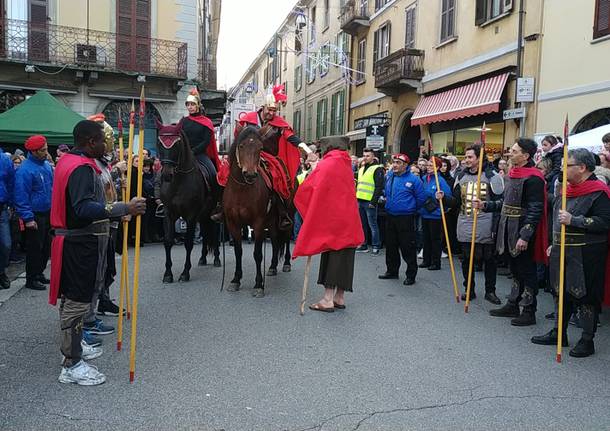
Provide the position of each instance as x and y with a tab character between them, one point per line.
86	54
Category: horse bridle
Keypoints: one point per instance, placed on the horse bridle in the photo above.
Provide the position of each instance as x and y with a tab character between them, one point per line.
170	161
237	159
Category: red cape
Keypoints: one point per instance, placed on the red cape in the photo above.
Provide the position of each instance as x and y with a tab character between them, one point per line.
65	166
541	241
585	188
212	150
327	202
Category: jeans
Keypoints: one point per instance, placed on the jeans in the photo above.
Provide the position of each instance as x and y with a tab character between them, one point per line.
5	238
368	216
298	222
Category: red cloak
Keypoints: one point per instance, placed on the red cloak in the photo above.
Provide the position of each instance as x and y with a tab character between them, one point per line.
65	166
212	150
585	188
327	202
541	241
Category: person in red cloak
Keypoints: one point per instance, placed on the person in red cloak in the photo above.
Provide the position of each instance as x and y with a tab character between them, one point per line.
80	219
282	166
331	222
587	223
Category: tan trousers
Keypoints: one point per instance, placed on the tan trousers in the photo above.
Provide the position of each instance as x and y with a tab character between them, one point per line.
71	314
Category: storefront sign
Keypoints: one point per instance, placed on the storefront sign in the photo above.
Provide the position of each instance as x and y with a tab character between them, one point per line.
375	137
381	118
525	89
511	114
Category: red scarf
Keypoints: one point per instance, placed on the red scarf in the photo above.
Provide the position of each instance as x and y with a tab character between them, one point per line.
65	166
541	240
211	150
327	202
585	188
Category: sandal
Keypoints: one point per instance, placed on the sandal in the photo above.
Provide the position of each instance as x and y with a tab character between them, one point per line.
318	307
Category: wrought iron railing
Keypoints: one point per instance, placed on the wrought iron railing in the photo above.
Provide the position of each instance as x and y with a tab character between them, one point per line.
353	9
207	73
402	64
56	45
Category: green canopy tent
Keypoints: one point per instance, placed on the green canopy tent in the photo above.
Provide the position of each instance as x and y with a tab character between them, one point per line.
41	114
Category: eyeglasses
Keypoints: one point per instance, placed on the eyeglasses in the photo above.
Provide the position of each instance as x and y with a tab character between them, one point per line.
573	164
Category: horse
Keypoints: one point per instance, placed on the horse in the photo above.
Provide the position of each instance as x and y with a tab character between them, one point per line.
184	194
248	201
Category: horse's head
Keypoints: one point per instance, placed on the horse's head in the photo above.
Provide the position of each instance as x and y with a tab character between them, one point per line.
169	148
246	151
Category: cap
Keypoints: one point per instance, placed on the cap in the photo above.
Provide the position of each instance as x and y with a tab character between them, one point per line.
402	157
35	142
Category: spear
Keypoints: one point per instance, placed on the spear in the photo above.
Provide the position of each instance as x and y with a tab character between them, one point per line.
438	188
562	243
475	213
124	290
136	271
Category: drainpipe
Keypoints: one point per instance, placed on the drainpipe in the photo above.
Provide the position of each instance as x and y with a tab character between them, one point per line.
520	61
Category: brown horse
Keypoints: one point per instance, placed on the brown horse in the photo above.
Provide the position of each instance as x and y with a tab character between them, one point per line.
248	201
184	194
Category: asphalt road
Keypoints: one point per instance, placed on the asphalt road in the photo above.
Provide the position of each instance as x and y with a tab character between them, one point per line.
398	358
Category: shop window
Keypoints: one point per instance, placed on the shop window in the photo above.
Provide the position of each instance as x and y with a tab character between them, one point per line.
601	26
487	10
456	141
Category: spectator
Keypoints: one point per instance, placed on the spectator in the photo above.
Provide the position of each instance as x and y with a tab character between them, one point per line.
455	165
149	221
552	149
61	150
33	185
404	195
17	160
369	188
7	180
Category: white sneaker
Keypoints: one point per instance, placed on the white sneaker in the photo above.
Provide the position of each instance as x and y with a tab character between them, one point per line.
89	352
444	255
82	374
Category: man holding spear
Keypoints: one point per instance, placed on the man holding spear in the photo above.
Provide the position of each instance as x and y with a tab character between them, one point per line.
522	230
587	222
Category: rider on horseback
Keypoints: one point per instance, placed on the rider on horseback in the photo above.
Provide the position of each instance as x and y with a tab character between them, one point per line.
287	151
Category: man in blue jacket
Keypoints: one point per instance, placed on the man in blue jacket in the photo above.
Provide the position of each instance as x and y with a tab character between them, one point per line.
7	180
33	186
404	196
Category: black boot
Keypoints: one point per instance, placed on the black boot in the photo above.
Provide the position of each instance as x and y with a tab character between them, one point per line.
583	349
472	295
5	283
491	297
527	318
34	284
43	279
508	310
550	339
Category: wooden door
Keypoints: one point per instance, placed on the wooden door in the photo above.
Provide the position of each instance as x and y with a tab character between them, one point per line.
38	40
133	35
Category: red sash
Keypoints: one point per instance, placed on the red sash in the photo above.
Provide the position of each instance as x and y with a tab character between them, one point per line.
65	166
541	240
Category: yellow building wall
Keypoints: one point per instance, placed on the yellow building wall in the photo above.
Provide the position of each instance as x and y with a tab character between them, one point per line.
73	13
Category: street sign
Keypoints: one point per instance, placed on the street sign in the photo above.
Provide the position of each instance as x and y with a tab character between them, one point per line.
512	114
525	89
375	137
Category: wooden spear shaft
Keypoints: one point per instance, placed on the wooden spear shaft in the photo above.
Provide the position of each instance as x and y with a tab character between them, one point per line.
562	243
136	271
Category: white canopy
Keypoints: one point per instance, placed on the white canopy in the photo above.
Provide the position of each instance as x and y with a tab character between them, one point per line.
591	139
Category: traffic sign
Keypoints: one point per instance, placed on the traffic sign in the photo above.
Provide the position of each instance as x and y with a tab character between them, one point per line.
512	114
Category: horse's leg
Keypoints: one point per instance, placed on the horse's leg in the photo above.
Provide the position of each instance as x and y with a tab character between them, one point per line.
215	236
259	238
188	245
203	260
287	255
211	235
168	242
275	252
235	232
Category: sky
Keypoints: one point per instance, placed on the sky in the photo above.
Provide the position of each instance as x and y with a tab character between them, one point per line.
245	28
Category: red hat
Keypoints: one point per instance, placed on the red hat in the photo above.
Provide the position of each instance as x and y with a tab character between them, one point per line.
98	118
35	142
401	157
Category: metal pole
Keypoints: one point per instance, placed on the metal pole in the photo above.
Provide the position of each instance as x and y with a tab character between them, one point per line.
520	62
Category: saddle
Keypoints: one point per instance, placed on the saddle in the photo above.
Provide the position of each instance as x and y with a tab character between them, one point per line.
275	174
206	176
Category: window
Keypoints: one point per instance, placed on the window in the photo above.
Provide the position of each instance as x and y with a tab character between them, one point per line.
337	107
601	26
298	78
310	67
361	62
296	122
364	7
321	116
447	20
309	133
297	41
284	48
381	46
324	59
326	14
312	25
341	51
410	28
380	3
487	10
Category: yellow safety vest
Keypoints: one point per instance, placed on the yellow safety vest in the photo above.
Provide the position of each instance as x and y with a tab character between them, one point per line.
301	177
366	183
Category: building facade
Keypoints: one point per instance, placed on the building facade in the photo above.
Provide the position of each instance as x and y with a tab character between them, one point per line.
95	55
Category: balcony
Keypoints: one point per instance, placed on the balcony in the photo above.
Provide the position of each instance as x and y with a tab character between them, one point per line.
354	17
79	48
399	71
207	74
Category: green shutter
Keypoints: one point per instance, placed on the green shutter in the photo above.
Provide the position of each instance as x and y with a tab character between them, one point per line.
340	111
333	109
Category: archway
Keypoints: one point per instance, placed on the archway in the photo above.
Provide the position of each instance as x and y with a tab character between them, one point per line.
111	111
410	137
597	118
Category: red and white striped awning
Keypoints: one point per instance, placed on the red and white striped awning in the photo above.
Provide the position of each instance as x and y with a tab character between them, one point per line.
481	97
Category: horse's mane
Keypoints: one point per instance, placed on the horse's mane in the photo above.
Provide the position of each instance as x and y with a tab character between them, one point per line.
245	133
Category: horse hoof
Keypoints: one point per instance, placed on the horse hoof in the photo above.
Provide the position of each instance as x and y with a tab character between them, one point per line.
233	287
272	272
168	278
258	293
184	277
203	261
286	268
217	263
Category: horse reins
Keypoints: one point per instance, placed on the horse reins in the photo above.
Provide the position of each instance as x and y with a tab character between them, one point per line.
177	164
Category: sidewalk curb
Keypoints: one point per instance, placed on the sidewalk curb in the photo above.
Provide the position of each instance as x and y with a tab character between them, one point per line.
16	285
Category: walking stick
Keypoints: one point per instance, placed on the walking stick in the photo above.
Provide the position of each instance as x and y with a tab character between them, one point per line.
562	243
475	213
136	271
124	290
438	188
305	283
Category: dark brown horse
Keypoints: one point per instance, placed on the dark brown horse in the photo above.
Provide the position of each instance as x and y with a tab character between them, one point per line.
184	194
248	201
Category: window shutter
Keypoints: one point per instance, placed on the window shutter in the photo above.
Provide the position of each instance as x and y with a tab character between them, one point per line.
318	116
410	28
387	51
481	12
38	40
333	110
602	18
340	109
376	47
